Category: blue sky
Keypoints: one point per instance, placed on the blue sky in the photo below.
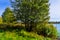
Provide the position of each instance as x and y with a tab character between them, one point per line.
3	5
54	8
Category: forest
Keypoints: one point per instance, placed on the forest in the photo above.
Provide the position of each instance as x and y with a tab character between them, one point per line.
27	20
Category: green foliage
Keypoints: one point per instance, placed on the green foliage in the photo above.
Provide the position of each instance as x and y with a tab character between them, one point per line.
8	16
12	26
48	38
29	34
34	15
23	35
48	30
31	11
1	20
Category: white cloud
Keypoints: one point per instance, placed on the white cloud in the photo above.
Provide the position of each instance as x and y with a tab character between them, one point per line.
55	10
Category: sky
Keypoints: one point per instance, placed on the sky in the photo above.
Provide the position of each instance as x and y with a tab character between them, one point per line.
54	8
3	5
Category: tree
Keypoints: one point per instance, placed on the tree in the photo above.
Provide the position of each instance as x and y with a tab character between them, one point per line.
8	16
31	11
1	20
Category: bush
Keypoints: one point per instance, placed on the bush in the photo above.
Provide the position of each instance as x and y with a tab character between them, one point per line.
46	38
11	26
47	30
21	35
30	35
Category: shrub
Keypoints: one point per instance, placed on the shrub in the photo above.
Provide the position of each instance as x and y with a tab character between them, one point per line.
23	35
47	30
46	38
30	35
11	26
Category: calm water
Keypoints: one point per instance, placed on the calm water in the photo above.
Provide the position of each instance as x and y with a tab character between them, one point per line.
57	26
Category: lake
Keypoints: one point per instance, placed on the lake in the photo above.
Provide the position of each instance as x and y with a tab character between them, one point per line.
57	26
